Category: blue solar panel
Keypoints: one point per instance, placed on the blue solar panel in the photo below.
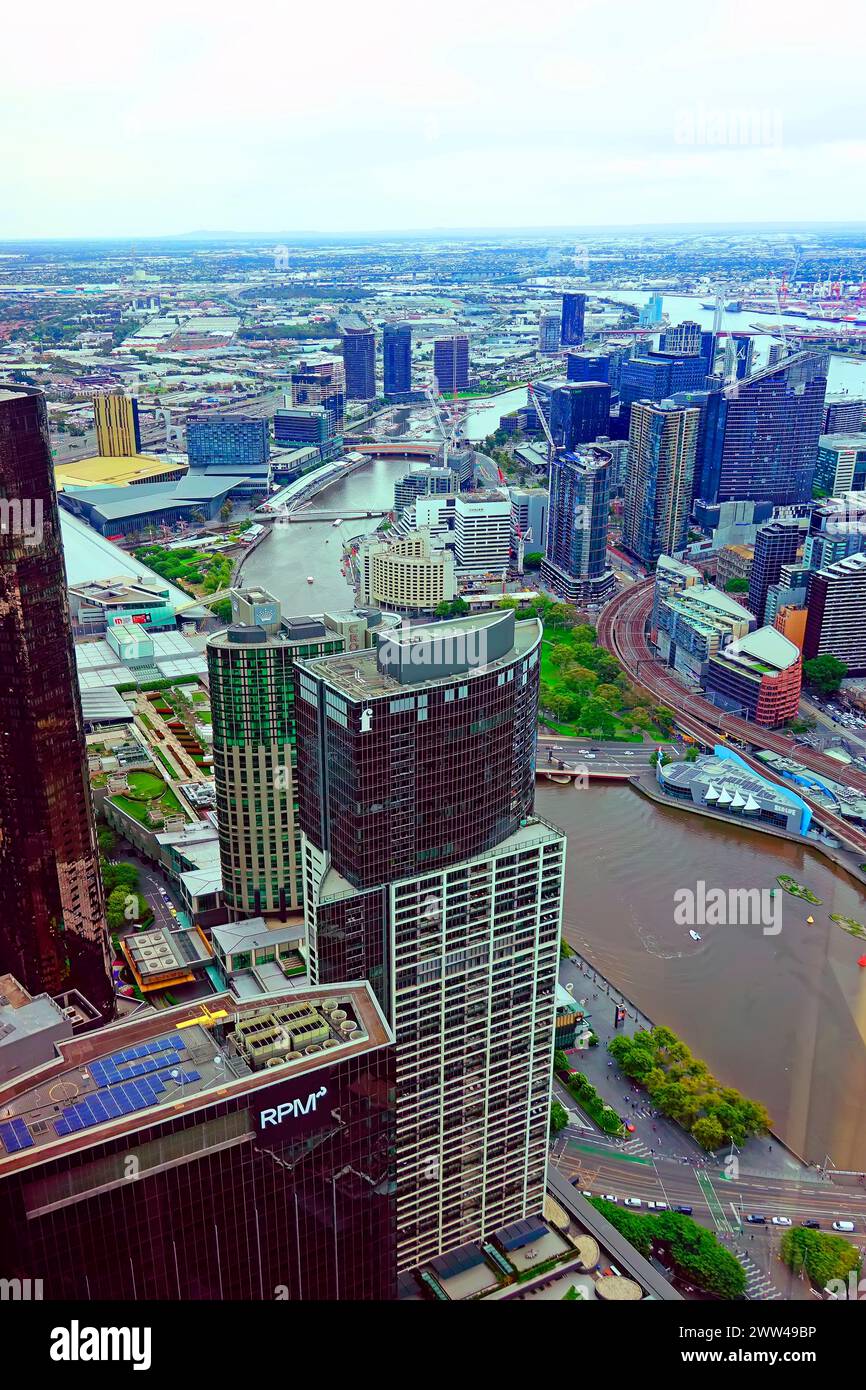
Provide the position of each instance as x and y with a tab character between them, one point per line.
15	1135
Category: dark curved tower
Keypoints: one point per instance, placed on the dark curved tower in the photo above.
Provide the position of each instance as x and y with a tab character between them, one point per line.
52	920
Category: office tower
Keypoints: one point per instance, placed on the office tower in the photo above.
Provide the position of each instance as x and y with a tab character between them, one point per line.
618	450
408	575
250	666
844	416
841	465
588	366
683	338
548	333
707	351
482	531
428	874
249	1157
775	354
757	676
321	383
419	482
573	313
529	508
575	565
651	313
837	528
836	625
397	358
789	590
579	413
451	364
658	490
775	545
739	354
234	441
656	376
765	442
118	434
359	357
708	403
52	921
303	424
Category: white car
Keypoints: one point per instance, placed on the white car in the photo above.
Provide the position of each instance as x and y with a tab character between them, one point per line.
609	1197
843	1225
633	1202
782	1221
657	1206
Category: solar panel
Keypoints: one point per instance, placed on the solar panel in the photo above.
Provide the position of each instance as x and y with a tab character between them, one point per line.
15	1135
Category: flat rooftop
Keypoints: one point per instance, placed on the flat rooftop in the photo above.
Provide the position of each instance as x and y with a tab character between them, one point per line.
117	1079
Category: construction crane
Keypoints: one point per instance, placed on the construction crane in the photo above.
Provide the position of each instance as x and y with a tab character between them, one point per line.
447	439
551	446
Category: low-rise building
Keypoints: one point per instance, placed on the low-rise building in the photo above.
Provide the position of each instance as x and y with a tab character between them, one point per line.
758	675
722	782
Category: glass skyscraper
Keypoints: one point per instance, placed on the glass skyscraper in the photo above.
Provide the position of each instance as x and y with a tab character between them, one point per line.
52	921
575	566
397	358
573	312
579	413
359	358
658	490
240	441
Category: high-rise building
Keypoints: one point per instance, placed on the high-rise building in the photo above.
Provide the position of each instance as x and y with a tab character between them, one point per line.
683	338
250	669
234	441
573	314
451	364
837	528
420	482
407	575
52	920
739	356
844	415
482	531
321	383
575	565
657	376
658	490
764	444
841	465
529	508
836	625
250	1156
428	874
588	366
651	313
359	357
397	358
118	434
548	333
776	544
303	424
579	413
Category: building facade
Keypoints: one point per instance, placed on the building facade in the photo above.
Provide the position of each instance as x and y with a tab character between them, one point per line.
322	383
758	676
776	544
429	875
548	333
241	442
359	359
397	358
451	364
658	490
52	919
118	433
575	563
579	413
836	624
572	323
841	465
482	531
250	670
263	1161
409	575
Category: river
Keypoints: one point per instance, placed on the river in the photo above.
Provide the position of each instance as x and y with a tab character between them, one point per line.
782	1018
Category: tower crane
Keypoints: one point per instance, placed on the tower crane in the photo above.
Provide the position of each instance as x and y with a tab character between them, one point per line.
551	446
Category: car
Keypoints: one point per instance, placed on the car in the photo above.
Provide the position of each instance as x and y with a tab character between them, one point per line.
754	1220
585	1192
609	1197
843	1225
812	1225
684	1211
657	1206
633	1202
782	1221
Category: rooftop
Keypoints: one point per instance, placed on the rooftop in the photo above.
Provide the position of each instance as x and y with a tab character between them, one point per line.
107	470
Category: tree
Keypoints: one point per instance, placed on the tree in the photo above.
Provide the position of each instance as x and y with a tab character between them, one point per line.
106	839
533	560
226	510
826	673
708	1132
737	586
451	608
558	1117
823	1256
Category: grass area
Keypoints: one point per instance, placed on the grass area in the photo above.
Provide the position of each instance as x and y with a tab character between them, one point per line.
148	794
145	786
165	762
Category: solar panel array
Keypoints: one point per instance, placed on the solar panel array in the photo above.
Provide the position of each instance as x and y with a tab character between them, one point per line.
15	1135
122	1099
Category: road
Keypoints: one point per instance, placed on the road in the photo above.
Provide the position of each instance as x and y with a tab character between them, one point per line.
598	758
622	631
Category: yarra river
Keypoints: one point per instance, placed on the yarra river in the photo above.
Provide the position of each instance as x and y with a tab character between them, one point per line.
782	1018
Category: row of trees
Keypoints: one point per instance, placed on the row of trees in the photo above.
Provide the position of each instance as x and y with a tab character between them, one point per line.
822	1255
694	1251
682	1087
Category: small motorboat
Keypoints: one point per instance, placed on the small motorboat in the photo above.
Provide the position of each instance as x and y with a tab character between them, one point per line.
695	935
811	921
310	579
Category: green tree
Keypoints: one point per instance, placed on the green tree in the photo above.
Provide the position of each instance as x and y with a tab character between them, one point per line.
822	1255
452	608
708	1132
737	586
826	673
533	560
558	1117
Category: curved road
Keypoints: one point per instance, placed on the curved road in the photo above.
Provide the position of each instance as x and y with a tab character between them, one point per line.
622	631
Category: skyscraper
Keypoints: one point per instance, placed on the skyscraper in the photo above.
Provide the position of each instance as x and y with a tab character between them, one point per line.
451	364
359	358
656	376
764	445
775	545
739	355
397	358
658	490
548	333
250	667
836	602
263	1139
322	383
588	366
52	921
573	312
579	413
237	441
118	434
684	338
575	566
428	874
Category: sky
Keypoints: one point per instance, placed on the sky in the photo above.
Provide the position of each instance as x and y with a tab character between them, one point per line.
364	115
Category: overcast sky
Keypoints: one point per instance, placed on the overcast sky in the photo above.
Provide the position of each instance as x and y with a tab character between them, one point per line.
361	115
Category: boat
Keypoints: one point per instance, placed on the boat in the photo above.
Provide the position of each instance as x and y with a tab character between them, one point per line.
862	962
810	920
695	935
310	579
338	522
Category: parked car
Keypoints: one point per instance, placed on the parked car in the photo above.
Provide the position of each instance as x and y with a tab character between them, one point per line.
633	1202
684	1211
843	1225
812	1225
756	1220
609	1197
782	1221
657	1206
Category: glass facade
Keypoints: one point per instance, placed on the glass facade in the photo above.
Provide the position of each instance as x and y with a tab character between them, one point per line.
577	519
52	921
451	364
359	362
239	440
658	493
579	413
573	312
397	358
